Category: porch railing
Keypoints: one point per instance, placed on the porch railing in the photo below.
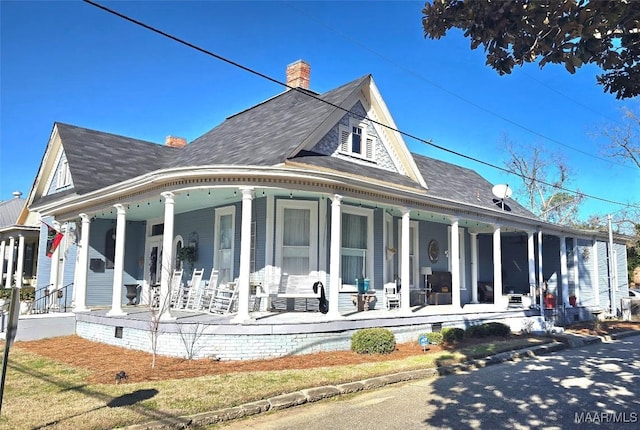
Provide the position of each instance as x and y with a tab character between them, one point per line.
52	300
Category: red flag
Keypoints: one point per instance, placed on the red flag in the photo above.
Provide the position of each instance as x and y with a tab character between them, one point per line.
54	237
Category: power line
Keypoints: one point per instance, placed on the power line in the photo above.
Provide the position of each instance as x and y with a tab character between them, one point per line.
458	96
284	84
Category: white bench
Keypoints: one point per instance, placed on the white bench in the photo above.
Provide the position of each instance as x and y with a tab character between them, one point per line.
297	287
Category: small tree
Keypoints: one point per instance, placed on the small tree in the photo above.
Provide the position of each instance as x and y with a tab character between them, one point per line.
544	180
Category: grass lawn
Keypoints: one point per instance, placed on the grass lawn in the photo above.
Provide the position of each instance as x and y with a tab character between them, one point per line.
41	392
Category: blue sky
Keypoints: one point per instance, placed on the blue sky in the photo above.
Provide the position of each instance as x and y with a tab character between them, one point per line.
73	63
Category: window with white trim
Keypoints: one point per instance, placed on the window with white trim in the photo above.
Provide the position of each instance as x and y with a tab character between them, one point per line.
64	176
355	141
224	243
356	251
297	237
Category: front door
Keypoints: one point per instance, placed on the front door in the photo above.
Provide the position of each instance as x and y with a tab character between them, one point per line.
154	261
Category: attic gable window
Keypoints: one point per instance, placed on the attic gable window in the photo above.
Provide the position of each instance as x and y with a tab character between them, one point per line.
355	141
64	176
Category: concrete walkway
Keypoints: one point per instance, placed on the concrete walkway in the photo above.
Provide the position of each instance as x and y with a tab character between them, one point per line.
561	341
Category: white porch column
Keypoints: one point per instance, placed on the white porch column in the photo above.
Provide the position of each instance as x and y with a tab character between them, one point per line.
3	245
54	274
12	251
576	270
80	283
531	254
474	267
118	262
167	257
595	283
454	255
564	276
20	264
540	274
497	267
335	279
405	292
245	256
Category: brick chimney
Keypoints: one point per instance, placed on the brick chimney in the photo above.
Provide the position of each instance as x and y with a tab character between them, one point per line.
175	142
298	74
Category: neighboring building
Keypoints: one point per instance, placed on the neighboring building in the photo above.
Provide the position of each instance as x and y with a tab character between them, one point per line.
18	242
319	185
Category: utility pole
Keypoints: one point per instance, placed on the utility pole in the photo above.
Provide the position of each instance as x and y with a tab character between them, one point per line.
612	272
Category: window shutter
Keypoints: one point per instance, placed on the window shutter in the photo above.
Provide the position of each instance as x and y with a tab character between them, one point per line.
369	148
344	140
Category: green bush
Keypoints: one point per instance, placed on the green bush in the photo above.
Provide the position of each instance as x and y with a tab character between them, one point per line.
497	329
478	330
373	341
488	329
27	293
5	293
452	334
435	337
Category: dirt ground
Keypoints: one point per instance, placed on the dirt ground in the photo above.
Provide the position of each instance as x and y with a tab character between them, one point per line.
104	361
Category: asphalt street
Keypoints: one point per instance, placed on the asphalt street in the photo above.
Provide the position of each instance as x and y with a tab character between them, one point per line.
595	386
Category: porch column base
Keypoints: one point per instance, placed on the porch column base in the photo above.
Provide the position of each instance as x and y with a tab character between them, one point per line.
241	319
116	313
82	309
166	316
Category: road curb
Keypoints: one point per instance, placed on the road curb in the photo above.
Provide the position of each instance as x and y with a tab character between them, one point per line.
311	395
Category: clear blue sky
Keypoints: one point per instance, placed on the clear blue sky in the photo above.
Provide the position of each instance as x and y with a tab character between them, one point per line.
73	63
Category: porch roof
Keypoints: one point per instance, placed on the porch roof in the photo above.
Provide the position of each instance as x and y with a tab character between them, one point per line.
459	184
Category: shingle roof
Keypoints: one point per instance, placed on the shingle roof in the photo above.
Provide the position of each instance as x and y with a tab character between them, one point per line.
333	163
97	159
459	184
10	211
265	134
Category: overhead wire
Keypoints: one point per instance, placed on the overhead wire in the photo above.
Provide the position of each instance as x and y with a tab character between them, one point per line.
458	96
364	117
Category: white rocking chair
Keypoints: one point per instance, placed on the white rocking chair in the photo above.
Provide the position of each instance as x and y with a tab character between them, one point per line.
176	289
195	290
390	295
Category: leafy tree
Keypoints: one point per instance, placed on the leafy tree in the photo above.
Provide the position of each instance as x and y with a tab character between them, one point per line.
544	178
568	32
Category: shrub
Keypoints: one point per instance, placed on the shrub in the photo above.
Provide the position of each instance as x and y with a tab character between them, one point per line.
488	329
5	293
373	341
452	334
27	293
435	337
497	329
478	330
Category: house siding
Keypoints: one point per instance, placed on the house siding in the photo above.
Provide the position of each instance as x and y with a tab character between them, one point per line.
622	278
603	274
43	272
587	282
329	144
53	189
201	223
100	278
